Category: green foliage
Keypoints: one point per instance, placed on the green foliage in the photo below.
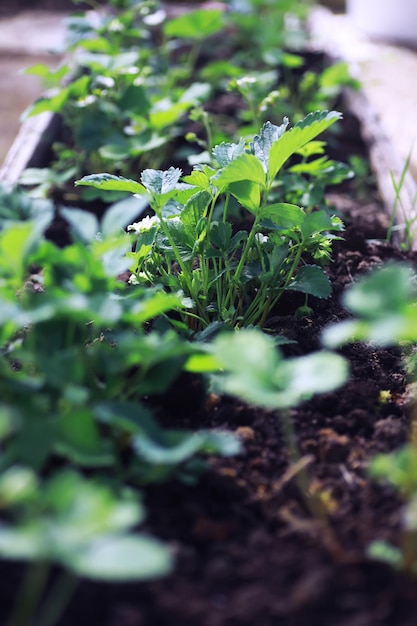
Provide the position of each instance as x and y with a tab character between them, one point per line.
254	370
399	470
80	524
384	307
232	277
79	361
197	24
386	316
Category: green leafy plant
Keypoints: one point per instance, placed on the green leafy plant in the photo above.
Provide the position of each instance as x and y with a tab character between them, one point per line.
253	369
79	361
384	304
117	99
84	364
81	524
398	469
385	316
232	277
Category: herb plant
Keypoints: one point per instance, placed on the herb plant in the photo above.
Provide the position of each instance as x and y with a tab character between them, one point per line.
231	277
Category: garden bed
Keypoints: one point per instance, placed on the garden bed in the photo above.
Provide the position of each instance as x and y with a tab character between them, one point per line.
247	550
250	547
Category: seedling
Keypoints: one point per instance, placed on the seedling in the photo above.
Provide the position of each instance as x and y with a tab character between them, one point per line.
253	369
235	278
81	525
384	304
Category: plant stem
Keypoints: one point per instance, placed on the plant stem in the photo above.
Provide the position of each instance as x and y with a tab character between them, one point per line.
241	264
58	599
30	594
183	267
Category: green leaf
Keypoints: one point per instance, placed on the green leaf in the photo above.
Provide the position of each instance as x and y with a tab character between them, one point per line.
109	182
160	182
197	24
294	139
135	100
196	93
198	179
120	558
174	447
122	214
265	379
168	115
78	429
371	299
24	543
382	551
248	194
244	167
261	145
202	363
224	153
312	280
221	235
318	372
316	222
284	215
83	223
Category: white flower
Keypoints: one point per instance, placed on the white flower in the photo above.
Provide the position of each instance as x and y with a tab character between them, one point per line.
261	238
246	80
144	225
133	280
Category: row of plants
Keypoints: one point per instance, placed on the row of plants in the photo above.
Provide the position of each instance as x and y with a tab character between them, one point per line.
140	86
172	287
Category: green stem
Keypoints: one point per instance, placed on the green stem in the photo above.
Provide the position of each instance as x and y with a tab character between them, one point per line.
248	246
58	599
30	594
226	207
257	307
183	267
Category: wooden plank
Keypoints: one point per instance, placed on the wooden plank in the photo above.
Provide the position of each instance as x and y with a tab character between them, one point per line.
31	147
337	38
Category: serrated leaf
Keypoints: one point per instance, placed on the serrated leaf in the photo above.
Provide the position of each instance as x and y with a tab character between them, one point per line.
244	167
194	210
312	280
284	215
316	222
198	179
224	153
262	143
297	137
221	235
248	194
161	181
109	182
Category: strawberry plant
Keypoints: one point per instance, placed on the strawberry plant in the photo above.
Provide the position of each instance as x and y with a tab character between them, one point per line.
383	304
232	276
79	362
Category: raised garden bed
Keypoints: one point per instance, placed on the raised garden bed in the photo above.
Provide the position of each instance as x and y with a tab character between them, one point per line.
251	545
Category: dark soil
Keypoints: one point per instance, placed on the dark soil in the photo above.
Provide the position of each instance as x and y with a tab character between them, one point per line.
248	549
